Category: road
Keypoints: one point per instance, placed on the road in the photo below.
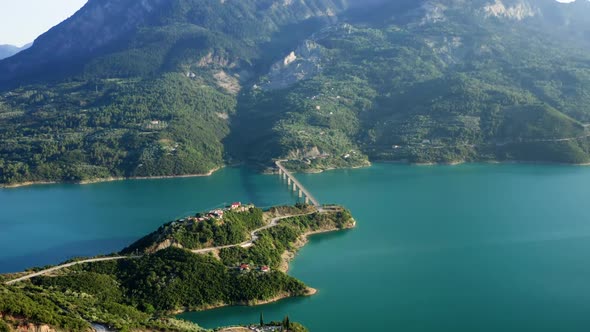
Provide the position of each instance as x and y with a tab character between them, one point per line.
545	140
253	235
100	328
247	244
60	267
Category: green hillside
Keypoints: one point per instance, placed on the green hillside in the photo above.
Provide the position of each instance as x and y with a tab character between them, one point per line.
186	86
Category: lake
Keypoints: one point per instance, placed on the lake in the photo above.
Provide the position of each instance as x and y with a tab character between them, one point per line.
442	248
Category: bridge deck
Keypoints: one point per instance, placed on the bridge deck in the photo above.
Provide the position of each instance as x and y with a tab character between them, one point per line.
298	184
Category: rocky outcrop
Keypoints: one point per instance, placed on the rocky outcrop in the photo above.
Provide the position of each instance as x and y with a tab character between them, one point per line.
298	154
16	324
518	11
165	244
35	328
303	63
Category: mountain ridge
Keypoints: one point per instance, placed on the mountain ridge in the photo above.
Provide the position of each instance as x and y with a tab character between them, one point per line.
7	51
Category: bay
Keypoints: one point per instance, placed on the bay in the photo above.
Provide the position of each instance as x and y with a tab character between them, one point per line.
47	224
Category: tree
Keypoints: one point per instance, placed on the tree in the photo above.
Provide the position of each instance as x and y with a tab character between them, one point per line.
4	327
261	319
286	323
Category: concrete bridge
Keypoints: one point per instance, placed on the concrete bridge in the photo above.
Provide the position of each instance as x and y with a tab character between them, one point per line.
292	182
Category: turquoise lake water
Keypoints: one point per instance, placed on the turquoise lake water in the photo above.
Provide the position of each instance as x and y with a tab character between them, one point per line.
444	248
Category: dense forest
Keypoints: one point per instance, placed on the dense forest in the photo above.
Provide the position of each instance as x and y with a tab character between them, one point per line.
235	227
138	293
186	86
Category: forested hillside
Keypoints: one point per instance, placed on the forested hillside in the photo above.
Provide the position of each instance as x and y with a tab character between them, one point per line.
185	86
439	82
141	291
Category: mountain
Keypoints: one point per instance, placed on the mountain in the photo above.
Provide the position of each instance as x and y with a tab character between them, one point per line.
10	50
145	88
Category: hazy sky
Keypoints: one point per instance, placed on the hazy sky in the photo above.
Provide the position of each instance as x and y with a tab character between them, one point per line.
21	21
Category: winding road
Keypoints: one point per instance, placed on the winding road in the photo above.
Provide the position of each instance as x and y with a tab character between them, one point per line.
247	244
254	234
60	267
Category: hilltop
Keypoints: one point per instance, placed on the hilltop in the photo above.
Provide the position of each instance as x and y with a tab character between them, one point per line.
185	86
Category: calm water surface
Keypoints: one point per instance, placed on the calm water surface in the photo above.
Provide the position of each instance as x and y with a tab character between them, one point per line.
464	248
48	224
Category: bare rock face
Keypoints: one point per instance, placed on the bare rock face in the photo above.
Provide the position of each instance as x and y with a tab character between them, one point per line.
312	152
35	328
23	326
517	11
303	63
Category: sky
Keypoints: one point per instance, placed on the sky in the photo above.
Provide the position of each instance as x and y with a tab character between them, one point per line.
21	21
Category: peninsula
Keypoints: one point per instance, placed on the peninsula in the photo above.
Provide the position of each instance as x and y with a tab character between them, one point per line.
233	256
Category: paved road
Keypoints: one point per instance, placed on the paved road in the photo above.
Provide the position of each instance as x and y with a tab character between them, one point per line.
100	328
57	268
253	235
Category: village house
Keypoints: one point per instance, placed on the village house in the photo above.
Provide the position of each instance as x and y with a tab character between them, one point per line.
215	214
245	267
265	269
235	205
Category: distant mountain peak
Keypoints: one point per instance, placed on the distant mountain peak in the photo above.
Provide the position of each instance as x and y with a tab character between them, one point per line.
10	50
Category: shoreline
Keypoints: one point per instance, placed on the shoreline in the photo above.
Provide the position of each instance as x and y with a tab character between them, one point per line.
287	257
110	179
315	171
319	171
491	162
309	291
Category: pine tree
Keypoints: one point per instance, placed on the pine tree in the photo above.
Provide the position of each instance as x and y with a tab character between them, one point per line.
261	320
286	323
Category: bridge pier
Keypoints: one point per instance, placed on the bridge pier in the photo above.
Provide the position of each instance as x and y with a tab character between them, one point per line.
294	186
288	181
300	193
306	200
